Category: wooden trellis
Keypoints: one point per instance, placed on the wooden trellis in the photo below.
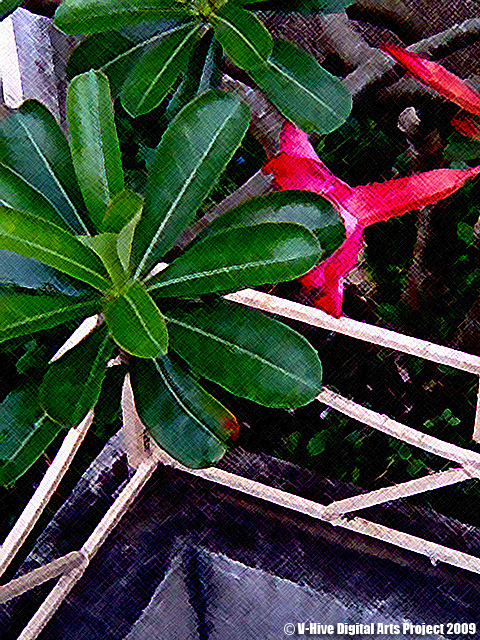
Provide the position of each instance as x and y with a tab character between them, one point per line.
70	568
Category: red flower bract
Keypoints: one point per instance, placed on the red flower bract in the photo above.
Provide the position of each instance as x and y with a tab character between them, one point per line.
298	167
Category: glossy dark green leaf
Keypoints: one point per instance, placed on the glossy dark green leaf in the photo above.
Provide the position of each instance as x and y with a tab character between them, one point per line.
301	6
33	145
72	384
136	323
244	38
238	258
94	142
23	313
179	414
35	238
121	210
116	52
25	432
192	153
461	149
152	78
32	274
305	93
203	72
7	7
308	209
247	353
88	16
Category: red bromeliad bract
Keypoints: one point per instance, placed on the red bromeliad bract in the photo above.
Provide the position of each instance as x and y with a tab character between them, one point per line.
298	167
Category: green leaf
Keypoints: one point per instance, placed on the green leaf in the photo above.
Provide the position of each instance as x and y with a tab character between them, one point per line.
247	353
179	414
105	246
303	6
317	444
244	38
95	147
25	432
238	258
116	53
72	384
23	313
461	149
33	145
7	7
121	210
44	241
305	93
87	16
308	209
202	73
192	153
152	78
136	323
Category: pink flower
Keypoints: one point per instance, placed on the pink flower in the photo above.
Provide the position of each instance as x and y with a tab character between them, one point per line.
298	167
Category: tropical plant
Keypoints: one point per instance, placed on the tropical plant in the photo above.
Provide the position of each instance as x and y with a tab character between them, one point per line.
149	43
74	242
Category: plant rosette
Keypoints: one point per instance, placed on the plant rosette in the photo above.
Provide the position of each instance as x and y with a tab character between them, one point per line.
74	242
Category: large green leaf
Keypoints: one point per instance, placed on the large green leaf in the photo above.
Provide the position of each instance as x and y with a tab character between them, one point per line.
125	206
106	247
7	7
17	193
72	384
94	142
136	323
36	238
23	313
152	78
247	353
192	153
88	16
203	72
304	92
25	432
32	274
238	258
116	52
33	145
244	38
179	414
308	209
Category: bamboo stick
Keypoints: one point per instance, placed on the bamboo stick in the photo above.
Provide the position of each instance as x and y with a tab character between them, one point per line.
403	490
476	427
435	552
81	332
38	576
360	330
89	549
44	492
133	430
398	430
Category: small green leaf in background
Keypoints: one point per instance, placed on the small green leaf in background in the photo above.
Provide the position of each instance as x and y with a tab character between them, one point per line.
95	147
179	414
238	258
44	241
7	7
33	145
244	38
307	209
87	16
25	432
317	444
192	153
461	149
249	354
136	323
23	313
72	384
305	93
152	78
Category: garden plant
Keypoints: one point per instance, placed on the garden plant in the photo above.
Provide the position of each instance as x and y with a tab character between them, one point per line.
77	238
